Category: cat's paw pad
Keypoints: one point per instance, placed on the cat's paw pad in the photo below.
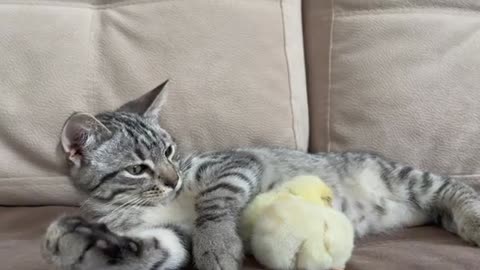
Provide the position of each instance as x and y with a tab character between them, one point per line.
69	239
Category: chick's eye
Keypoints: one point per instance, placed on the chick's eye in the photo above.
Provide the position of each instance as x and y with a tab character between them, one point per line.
169	151
136	169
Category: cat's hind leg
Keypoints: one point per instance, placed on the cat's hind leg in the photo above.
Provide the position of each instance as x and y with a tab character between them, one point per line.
446	201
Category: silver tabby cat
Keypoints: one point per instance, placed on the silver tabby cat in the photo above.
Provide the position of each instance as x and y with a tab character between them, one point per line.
147	206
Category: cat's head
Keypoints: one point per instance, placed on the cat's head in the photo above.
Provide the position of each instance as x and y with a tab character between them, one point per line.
123	156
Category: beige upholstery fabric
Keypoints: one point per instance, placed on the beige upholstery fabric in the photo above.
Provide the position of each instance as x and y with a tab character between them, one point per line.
235	67
402	80
419	248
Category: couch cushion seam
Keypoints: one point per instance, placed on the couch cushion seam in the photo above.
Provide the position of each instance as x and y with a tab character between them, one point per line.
84	5
419	10
292	111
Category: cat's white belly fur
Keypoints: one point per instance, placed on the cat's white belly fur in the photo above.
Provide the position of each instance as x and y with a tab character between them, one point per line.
368	191
179	212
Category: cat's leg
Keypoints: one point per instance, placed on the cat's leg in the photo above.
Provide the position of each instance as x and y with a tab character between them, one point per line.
450	203
72	243
456	207
216	242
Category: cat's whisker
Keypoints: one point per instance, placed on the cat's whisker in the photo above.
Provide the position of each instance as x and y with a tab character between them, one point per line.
122	207
134	206
153	196
129	199
110	203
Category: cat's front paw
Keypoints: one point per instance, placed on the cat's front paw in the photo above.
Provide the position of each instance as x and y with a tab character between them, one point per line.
69	240
217	247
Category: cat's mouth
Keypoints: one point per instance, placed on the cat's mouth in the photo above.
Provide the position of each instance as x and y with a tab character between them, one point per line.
159	194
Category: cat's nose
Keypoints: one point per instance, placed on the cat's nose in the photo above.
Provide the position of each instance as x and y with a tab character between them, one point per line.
168	175
171	181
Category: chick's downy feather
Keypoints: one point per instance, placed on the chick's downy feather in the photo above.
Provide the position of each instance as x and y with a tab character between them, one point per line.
292	227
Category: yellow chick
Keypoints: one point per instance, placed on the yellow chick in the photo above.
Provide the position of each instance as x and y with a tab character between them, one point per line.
309	188
294	227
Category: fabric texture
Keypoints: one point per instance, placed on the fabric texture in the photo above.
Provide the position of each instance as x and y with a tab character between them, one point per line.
236	75
420	248
402	80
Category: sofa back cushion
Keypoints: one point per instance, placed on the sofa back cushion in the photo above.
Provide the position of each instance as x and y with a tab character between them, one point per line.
397	77
235	67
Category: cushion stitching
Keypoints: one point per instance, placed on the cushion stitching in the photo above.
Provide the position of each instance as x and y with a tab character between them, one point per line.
130	3
295	138
33	177
84	5
329	87
91	74
417	10
56	184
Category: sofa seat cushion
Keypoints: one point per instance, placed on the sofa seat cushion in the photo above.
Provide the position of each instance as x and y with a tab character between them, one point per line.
21	229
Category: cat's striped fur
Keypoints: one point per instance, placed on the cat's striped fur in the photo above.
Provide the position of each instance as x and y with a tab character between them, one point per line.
152	216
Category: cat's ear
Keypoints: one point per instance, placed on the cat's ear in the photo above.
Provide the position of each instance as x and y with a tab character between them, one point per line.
80	132
148	105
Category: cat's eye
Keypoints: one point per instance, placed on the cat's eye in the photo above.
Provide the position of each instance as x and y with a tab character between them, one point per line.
169	151
136	169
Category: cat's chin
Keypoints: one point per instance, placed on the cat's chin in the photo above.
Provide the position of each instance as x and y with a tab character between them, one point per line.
172	195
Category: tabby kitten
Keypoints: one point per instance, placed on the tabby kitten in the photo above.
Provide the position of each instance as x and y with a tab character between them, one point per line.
155	202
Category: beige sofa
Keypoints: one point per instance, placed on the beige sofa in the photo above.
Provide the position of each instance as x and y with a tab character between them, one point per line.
395	77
